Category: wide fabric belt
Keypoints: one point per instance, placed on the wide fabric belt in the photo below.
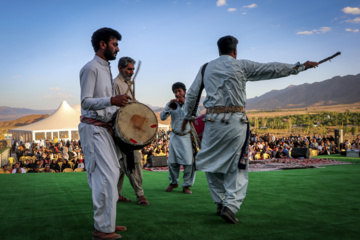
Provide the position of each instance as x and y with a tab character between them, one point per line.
224	109
107	125
180	134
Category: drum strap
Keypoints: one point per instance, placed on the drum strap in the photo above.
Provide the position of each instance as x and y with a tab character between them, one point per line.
130	159
107	125
130	83
200	90
244	155
180	134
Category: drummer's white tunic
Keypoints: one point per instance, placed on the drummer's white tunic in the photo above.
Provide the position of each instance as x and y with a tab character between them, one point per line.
101	153
225	82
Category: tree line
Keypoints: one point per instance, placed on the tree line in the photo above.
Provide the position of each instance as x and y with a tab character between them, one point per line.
348	121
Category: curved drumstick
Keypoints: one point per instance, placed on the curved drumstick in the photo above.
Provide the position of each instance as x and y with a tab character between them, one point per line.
133	80
328	58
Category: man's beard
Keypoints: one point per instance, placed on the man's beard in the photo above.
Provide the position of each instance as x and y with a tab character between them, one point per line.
108	54
126	77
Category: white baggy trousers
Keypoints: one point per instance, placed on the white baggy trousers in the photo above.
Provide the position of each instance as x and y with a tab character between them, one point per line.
229	189
103	171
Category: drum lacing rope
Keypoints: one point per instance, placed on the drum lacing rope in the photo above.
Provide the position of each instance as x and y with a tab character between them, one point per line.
130	83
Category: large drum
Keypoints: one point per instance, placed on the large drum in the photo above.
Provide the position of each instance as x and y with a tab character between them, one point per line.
199	125
136	125
197	130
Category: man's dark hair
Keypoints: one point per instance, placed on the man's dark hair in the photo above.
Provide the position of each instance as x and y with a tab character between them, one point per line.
178	85
123	62
103	34
227	44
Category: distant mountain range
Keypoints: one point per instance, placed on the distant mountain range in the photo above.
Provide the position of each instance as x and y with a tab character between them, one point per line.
9	113
337	90
334	91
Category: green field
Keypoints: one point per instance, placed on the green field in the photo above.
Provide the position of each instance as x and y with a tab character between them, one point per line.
321	203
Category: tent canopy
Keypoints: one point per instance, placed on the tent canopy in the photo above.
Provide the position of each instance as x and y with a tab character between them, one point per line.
63	124
65	117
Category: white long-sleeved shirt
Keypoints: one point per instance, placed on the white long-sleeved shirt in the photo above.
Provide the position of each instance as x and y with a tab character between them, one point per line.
226	77
225	85
96	90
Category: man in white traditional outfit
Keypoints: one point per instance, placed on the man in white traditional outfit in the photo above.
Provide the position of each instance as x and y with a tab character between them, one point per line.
131	160
223	153
180	146
98	110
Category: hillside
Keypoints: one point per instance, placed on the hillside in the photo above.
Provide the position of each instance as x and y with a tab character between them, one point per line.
9	113
6	125
337	94
335	91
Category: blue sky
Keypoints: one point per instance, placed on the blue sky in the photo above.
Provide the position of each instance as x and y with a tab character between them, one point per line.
44	44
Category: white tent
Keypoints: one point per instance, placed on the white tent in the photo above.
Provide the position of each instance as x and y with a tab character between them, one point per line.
62	124
163	127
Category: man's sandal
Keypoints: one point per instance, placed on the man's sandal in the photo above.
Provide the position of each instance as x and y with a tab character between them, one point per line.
142	201
123	199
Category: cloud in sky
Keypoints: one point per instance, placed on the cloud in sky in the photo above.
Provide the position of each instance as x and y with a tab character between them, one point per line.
57	93
16	76
251	6
232	9
317	31
355	20
59	96
305	33
350	10
55	89
351	30
324	29
220	3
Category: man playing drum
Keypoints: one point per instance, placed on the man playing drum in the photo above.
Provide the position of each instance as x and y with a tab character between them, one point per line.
98	110
131	160
226	128
180	147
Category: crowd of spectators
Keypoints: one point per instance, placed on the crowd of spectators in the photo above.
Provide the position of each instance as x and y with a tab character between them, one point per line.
50	156
47	156
269	146
159	147
56	156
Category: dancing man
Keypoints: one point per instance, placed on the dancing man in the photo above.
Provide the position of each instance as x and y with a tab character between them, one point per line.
180	146
226	128
98	110
131	160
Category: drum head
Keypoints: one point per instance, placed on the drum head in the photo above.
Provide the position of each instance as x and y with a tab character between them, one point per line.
136	124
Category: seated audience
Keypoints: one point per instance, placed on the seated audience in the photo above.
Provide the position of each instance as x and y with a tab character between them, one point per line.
36	169
80	164
5	170
46	169
55	166
280	153
65	165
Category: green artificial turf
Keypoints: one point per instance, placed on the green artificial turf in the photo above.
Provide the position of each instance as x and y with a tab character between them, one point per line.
320	203
339	157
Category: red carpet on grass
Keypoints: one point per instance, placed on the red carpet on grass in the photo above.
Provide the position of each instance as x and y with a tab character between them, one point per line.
277	164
